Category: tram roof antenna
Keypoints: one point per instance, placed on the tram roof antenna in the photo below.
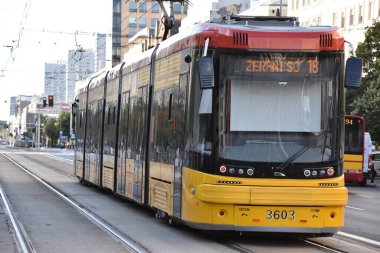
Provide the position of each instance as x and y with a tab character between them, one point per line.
168	21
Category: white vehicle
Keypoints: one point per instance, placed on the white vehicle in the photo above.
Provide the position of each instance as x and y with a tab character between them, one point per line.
376	162
367	153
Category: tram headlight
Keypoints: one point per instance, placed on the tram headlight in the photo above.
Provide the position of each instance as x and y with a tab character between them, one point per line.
322	173
223	169
231	170
250	171
241	171
306	173
330	172
314	173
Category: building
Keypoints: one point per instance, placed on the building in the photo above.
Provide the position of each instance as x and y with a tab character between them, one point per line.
267	8
204	10
80	65
16	121
13	106
143	15
55	81
101	44
116	32
352	16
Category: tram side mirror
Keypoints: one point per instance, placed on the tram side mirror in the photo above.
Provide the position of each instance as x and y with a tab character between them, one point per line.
206	72
353	75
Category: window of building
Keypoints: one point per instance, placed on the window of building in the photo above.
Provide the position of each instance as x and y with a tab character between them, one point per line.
360	14
132	31
142	22
369	10
185	8
177	8
342	19
153	22
352	12
155	8
142	7
132	22
132	6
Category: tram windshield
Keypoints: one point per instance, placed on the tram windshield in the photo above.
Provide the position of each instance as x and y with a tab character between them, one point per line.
278	108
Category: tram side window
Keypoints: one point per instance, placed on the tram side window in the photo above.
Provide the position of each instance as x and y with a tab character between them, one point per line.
114	115
80	119
157	128
202	131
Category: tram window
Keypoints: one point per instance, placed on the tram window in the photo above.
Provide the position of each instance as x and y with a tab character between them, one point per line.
295	107
114	115
205	106
109	115
170	106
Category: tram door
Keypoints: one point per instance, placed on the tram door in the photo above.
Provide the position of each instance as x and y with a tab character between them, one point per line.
136	144
180	112
122	144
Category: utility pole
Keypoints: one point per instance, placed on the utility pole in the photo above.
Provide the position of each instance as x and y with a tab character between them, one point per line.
39	129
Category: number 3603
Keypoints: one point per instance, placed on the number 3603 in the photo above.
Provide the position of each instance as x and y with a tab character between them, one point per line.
281	215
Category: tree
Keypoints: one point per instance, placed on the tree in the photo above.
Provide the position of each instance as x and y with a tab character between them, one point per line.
64	120
365	102
51	129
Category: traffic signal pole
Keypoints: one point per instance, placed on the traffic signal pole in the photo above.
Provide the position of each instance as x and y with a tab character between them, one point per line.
39	129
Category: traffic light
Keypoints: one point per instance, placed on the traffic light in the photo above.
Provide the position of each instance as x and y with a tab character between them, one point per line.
51	100
44	103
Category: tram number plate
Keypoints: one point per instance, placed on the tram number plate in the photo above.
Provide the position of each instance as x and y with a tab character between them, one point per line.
280	214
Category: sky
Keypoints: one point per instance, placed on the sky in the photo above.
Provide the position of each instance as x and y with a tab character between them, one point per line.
35	32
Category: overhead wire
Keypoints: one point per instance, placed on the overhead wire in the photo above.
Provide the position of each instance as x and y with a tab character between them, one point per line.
12	54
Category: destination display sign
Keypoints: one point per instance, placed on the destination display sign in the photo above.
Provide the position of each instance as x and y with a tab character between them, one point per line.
297	66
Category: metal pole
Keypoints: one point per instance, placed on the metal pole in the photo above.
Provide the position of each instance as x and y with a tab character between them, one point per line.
71	126
39	129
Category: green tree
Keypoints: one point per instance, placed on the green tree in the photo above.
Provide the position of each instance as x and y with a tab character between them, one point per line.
365	101
52	129
64	121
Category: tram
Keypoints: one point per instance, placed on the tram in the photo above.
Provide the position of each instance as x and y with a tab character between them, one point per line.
357	151
232	125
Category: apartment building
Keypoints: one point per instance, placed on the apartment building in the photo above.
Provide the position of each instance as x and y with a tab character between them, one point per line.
352	16
138	15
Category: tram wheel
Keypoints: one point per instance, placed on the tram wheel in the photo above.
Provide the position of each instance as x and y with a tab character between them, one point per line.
170	221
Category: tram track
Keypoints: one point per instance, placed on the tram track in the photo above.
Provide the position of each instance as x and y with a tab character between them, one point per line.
322	246
50	167
126	241
22	239
319	246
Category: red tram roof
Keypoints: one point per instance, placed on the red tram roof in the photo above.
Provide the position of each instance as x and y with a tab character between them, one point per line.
294	38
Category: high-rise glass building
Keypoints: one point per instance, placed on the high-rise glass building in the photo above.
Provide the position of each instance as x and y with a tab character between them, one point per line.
100	51
80	65
116	32
55	81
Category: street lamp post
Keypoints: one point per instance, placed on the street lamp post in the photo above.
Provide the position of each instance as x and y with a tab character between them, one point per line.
39	129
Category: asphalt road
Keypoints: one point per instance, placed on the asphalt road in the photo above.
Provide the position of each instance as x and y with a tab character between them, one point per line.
363	210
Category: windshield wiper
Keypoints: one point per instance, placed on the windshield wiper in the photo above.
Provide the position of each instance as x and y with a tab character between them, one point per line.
301	151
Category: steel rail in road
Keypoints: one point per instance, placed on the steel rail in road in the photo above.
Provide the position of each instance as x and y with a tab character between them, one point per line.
323	246
242	249
44	164
129	243
22	240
